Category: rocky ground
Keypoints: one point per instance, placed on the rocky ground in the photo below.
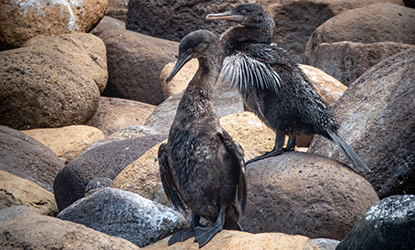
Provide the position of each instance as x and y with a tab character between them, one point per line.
84	107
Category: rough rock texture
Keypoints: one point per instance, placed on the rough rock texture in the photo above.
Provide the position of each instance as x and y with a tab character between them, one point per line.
347	61
326	244
231	240
173	20
118	9
66	142
143	177
114	114
15	191
225	101
296	20
377	120
103	161
132	131
370	24
22	228
307	194
388	225
96	185
180	80
27	158
126	215
108	23
134	65
36	91
21	20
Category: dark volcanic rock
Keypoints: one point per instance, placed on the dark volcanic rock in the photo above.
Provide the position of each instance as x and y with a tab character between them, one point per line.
27	158
306	194
377	119
388	225
103	161
126	215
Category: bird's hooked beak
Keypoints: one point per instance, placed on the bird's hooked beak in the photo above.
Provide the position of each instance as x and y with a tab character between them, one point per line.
181	61
229	16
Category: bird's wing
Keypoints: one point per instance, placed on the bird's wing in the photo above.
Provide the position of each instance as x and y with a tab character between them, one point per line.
169	185
243	70
237	153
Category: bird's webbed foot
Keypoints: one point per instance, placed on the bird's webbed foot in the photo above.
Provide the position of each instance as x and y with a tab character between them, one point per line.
205	234
186	233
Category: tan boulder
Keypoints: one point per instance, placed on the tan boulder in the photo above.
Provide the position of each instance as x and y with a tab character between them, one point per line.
231	240
143	177
108	23
67	142
52	82
180	80
22	228
114	114
16	191
21	20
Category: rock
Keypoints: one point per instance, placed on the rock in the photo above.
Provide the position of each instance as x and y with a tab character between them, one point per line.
27	158
173	20
38	92
126	215
114	114
377	120
108	23
368	24
143	177
96	185
326	244
225	101
296	20
134	65
180	80
348	60
102	161
290	194
118	9
16	191
230	240
409	3
66	142
21	20
388	225
22	228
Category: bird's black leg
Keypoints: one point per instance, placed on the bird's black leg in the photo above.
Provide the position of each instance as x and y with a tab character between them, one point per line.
291	143
278	148
205	234
186	233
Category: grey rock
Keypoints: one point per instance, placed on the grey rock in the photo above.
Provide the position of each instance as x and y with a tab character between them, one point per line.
326	244
108	23
97	184
124	214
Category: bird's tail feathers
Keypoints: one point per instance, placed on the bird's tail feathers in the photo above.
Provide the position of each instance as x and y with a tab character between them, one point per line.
348	151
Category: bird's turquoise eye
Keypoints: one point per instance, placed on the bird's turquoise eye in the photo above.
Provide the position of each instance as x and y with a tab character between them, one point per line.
242	12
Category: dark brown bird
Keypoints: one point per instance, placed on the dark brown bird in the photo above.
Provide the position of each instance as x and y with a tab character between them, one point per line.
201	167
272	86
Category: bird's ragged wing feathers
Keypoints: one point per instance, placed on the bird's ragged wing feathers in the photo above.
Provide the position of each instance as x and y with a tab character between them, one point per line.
169	185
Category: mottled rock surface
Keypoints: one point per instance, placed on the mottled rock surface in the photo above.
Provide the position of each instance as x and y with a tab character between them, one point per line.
21	20
16	191
118	9
307	194
326	244
377	120
134	65
66	142
27	158
114	114
107	160
126	215
231	240
388	225
22	228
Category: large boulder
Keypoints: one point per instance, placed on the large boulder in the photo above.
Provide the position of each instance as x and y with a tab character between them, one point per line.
388	225
134	65
118	9
126	215
307	194
377	120
52	81
22	20
296	20
173	20
114	114
108	23
27	158
66	142
22	228
16	191
102	161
